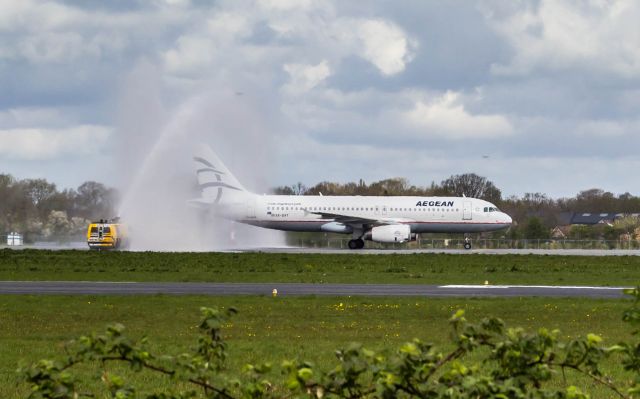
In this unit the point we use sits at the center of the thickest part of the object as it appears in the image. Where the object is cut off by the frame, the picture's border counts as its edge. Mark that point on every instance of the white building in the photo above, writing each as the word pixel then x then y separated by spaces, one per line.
pixel 14 239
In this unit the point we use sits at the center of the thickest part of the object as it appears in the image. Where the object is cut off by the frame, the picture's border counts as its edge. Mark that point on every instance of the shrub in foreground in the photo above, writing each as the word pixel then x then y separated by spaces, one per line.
pixel 509 363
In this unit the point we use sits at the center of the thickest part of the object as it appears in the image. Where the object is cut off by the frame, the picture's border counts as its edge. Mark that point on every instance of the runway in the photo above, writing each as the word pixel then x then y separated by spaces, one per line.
pixel 370 251
pixel 296 289
pixel 405 251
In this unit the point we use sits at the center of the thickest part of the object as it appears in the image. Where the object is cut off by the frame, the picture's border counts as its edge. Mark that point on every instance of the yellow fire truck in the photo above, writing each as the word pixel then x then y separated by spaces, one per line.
pixel 107 234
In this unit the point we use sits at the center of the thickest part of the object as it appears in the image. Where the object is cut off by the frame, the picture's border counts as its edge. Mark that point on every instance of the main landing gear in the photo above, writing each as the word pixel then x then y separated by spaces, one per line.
pixel 467 242
pixel 356 244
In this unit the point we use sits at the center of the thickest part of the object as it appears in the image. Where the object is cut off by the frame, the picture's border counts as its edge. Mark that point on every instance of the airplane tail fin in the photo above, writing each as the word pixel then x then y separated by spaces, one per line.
pixel 216 182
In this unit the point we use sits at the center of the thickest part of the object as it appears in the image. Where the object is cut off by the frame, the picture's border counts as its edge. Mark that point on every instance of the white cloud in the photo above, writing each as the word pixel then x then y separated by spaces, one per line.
pixel 285 5
pixel 26 117
pixel 305 77
pixel 600 36
pixel 446 117
pixel 385 45
pixel 192 53
pixel 47 144
pixel 606 128
pixel 299 32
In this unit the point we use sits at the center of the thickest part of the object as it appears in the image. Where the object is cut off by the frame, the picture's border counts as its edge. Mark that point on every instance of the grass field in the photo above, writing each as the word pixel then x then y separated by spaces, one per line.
pixel 311 328
pixel 318 268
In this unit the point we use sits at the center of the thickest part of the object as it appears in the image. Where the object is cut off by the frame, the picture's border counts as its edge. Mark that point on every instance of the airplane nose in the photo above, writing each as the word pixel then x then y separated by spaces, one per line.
pixel 507 219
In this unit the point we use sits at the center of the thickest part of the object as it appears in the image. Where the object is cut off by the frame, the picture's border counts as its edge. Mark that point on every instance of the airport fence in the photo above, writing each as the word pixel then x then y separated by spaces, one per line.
pixel 482 243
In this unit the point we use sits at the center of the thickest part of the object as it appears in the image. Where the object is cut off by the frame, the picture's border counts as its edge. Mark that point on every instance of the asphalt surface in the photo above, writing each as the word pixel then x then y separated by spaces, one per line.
pixel 371 251
pixel 286 289
pixel 365 251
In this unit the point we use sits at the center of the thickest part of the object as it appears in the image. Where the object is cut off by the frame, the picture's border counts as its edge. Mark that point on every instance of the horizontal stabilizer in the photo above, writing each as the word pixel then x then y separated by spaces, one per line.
pixel 201 203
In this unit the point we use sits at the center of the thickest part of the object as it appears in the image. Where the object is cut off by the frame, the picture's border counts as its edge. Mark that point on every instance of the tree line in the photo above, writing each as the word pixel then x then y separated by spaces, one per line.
pixel 36 208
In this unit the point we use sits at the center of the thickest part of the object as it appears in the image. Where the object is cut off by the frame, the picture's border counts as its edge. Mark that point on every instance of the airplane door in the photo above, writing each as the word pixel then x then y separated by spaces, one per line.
pixel 384 210
pixel 377 210
pixel 251 209
pixel 466 210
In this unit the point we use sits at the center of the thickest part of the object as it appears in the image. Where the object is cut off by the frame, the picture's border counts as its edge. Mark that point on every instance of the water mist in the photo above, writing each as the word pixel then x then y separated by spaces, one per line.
pixel 156 146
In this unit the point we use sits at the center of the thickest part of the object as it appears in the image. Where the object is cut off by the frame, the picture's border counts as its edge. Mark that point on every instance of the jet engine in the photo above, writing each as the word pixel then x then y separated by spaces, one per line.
pixel 392 233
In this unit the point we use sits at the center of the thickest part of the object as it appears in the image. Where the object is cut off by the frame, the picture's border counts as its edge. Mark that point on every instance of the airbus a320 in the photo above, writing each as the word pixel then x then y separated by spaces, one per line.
pixel 396 219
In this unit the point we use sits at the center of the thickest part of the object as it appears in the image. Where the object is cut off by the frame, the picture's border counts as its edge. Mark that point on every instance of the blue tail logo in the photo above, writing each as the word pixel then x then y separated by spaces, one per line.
pixel 209 168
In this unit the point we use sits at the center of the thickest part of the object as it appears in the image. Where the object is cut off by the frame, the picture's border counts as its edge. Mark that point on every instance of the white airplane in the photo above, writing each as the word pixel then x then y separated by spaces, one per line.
pixel 380 219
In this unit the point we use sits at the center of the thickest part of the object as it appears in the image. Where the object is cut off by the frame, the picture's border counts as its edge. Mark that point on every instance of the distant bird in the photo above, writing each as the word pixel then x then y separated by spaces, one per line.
pixel 485 157
pixel 239 93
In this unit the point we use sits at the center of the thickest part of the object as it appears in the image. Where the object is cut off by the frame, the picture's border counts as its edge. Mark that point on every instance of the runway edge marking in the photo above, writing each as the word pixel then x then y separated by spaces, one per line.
pixel 559 287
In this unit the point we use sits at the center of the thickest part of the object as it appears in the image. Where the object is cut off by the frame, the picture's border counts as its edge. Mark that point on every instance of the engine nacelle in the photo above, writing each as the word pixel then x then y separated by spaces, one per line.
pixel 392 233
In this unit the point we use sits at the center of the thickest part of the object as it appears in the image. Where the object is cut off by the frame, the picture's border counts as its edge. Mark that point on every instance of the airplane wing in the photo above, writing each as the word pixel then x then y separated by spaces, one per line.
pixel 356 220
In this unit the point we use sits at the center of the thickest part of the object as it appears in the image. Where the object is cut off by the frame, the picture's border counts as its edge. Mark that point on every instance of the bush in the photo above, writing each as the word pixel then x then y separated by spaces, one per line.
pixel 507 363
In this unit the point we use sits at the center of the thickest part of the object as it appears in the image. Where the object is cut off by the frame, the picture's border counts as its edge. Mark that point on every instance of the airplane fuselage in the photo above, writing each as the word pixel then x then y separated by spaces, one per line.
pixel 422 214
pixel 379 219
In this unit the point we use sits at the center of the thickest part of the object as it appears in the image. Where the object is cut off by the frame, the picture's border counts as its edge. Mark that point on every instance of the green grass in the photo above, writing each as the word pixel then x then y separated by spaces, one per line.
pixel 35 327
pixel 319 268
pixel 311 328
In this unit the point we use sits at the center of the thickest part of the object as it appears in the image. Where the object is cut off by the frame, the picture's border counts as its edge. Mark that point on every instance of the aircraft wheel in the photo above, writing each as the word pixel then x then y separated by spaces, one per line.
pixel 356 244
pixel 467 245
pixel 360 243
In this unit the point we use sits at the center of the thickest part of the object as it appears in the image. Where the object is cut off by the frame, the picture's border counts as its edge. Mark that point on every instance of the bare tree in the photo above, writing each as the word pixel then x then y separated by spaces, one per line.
pixel 471 185
pixel 94 200
pixel 38 190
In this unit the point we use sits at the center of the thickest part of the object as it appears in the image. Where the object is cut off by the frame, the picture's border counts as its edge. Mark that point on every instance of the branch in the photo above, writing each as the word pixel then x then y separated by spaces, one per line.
pixel 165 371
pixel 451 356
pixel 595 378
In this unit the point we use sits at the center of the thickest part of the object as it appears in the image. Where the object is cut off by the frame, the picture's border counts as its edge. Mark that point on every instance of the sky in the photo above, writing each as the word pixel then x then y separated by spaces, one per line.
pixel 537 96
